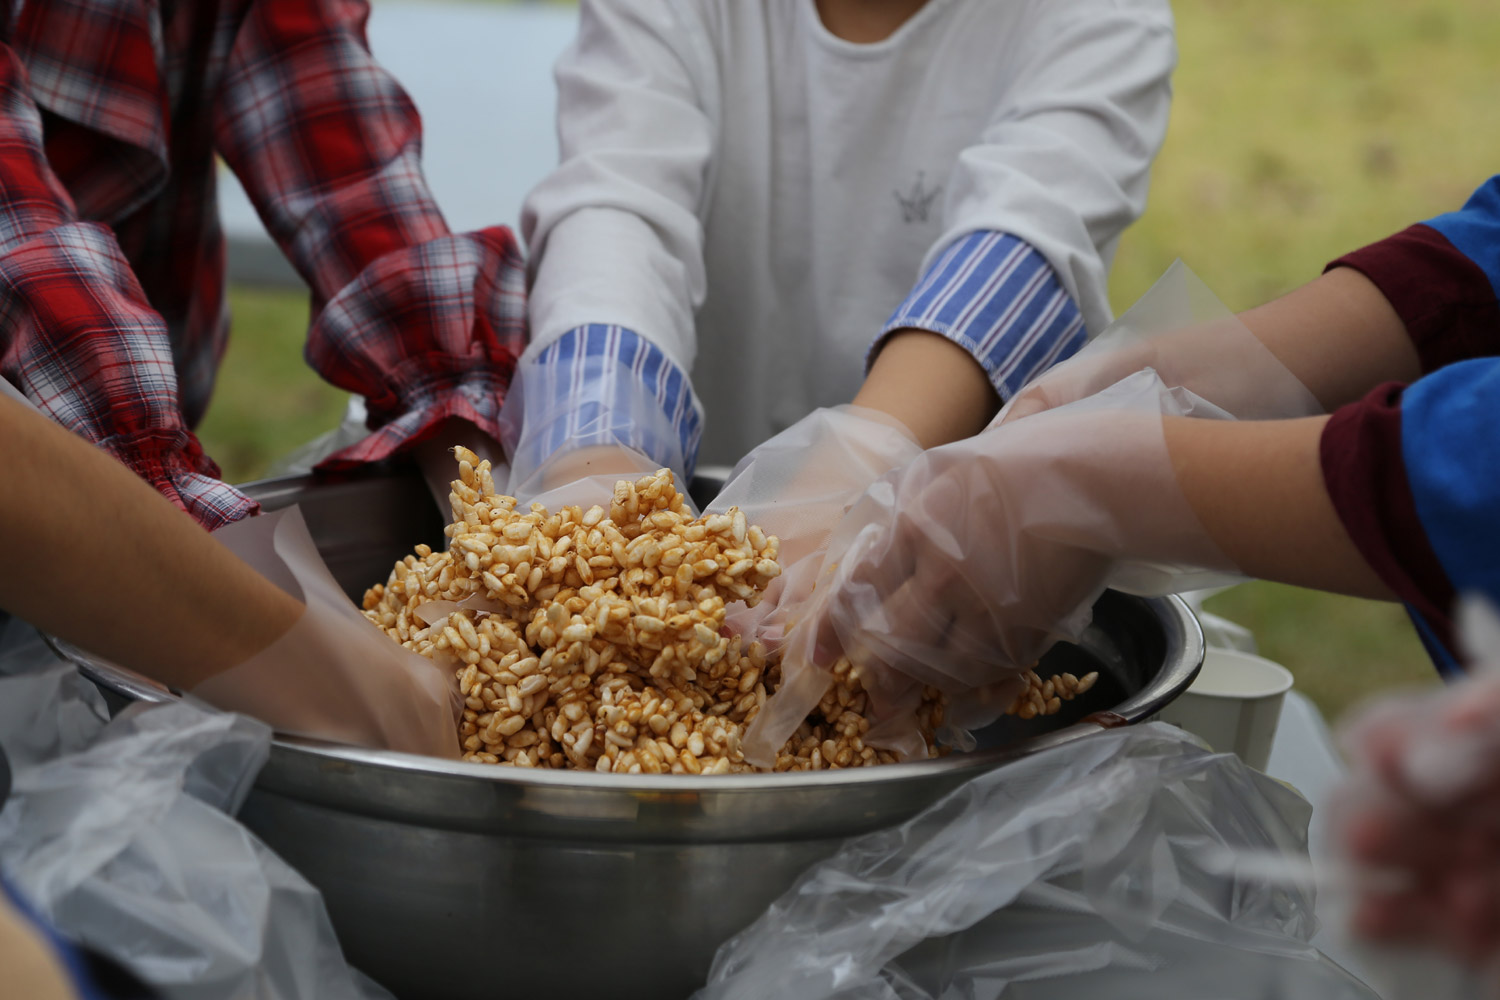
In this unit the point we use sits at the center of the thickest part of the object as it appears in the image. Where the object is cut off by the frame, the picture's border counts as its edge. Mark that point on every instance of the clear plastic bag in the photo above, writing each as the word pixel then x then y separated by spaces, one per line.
pixel 121 834
pixel 1087 870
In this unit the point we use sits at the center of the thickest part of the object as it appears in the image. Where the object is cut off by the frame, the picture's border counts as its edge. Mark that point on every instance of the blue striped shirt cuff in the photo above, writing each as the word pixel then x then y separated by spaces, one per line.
pixel 998 298
pixel 609 385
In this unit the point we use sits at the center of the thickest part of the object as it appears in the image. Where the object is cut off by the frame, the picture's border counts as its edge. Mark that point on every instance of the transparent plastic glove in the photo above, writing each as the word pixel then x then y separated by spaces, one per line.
pixel 435 457
pixel 1180 329
pixel 961 568
pixel 1422 805
pixel 797 486
pixel 333 675
pixel 563 424
pixel 583 477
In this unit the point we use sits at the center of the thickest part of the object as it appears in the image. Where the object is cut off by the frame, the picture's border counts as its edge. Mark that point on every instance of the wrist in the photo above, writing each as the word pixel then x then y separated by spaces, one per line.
pixel 931 385
pixel 455 432
pixel 438 465
pixel 605 386
pixel 594 460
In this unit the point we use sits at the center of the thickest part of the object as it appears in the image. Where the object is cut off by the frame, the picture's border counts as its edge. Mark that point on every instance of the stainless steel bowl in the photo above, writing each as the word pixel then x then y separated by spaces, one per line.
pixel 453 880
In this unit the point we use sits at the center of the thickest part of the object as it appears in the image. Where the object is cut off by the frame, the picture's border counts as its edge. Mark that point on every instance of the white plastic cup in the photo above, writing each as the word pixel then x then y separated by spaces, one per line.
pixel 1234 704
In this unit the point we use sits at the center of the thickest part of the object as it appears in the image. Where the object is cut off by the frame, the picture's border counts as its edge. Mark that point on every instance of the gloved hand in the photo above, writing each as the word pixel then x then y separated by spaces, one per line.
pixel 962 567
pixel 1422 809
pixel 797 486
pixel 1183 332
pixel 572 425
pixel 583 477
pixel 333 675
pixel 439 468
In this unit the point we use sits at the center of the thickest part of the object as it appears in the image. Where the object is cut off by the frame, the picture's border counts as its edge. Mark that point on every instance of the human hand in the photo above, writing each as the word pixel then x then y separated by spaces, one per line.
pixel 333 675
pixel 583 477
pixel 1422 808
pixel 962 567
pixel 435 457
pixel 797 486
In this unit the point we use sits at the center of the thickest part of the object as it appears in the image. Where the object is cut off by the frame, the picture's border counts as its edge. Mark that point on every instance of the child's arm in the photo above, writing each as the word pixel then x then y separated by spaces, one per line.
pixel 1315 349
pixel 1396 494
pixel 1338 335
pixel 930 384
pixel 1389 312
pixel 1258 488
pixel 1412 472
pixel 969 561
pixel 616 242
pixel 143 585
pixel 1032 213
pixel 1392 311
pixel 116 570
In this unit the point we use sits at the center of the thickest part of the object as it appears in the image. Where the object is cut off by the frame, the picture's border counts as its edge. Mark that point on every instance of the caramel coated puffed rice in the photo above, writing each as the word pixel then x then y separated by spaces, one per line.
pixel 593 639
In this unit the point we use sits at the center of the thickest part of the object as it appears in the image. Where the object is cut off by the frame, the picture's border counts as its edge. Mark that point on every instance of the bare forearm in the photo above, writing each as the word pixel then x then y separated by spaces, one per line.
pixel 1338 335
pixel 116 568
pixel 932 385
pixel 1258 489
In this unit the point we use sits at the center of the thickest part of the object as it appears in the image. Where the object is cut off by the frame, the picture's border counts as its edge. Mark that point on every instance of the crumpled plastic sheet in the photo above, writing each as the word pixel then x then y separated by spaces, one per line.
pixel 1084 871
pixel 120 832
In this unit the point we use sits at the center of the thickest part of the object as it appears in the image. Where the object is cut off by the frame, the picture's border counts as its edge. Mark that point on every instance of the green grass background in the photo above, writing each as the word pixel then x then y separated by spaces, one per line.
pixel 1301 129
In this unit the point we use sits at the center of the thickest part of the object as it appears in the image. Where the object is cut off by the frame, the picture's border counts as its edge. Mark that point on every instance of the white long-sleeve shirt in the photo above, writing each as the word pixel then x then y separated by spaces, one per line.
pixel 759 200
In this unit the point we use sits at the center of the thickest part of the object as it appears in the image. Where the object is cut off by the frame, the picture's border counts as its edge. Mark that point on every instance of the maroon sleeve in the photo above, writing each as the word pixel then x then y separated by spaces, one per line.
pixel 1443 297
pixel 1365 474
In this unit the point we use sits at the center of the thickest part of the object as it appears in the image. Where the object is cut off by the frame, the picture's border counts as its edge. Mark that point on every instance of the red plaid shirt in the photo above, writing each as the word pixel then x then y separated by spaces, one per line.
pixel 112 308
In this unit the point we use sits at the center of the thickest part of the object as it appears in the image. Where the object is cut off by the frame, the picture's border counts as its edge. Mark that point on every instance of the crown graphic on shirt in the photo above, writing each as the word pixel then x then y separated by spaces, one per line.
pixel 916 204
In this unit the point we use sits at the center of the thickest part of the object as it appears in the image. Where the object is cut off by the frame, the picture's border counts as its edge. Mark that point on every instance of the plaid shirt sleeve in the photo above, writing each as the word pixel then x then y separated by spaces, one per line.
pixel 424 324
pixel 77 335
pixel 996 297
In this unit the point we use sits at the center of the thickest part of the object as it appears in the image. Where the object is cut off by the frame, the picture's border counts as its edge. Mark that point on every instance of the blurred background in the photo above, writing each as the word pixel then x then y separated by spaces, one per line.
pixel 1301 129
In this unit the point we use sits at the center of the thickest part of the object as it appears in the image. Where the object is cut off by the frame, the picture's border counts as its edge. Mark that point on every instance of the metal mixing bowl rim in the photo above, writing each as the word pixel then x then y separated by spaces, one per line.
pixel 1174 679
